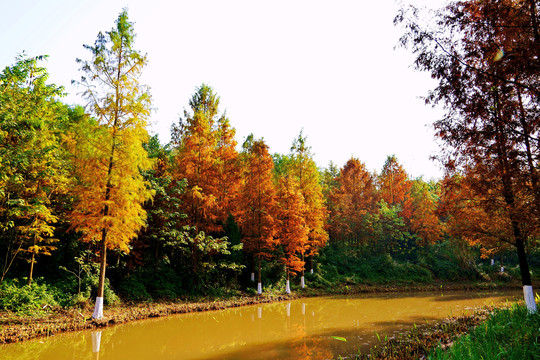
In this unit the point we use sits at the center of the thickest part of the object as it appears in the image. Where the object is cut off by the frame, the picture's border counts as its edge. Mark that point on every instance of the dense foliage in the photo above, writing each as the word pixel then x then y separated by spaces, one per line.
pixel 198 216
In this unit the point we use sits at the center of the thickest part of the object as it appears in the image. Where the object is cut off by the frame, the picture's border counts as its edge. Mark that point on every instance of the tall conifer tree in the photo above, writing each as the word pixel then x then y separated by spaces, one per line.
pixel 109 156
pixel 257 200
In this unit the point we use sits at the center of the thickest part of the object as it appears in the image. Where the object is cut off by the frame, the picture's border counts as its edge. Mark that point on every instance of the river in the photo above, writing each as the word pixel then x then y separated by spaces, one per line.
pixel 310 328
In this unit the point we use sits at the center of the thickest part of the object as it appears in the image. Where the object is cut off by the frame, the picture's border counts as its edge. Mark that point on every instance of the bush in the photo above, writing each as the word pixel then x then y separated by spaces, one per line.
pixel 132 289
pixel 146 284
pixel 28 299
pixel 90 287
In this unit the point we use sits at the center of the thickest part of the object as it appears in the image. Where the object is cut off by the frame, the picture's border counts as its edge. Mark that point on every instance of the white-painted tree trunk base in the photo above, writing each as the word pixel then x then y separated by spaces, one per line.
pixel 98 309
pixel 259 288
pixel 96 341
pixel 252 277
pixel 302 282
pixel 311 271
pixel 529 298
pixel 492 262
pixel 502 269
pixel 287 287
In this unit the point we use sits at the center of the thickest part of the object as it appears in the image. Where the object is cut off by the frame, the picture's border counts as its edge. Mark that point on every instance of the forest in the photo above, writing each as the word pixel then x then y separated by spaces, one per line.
pixel 92 206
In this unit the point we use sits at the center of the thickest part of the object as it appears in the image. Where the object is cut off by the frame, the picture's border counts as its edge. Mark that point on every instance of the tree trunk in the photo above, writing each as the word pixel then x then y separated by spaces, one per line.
pixel 253 268
pixel 287 284
pixel 526 277
pixel 510 200
pixel 259 282
pixel 530 161
pixel 523 264
pixel 79 280
pixel 195 263
pixel 31 269
pixel 98 308
pixel 534 21
pixel 302 279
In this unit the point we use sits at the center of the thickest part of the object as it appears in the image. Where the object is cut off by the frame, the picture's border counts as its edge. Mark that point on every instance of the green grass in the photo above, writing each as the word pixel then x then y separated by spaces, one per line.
pixel 508 334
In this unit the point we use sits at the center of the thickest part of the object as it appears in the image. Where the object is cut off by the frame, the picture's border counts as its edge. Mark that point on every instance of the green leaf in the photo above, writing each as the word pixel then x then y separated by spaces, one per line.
pixel 339 338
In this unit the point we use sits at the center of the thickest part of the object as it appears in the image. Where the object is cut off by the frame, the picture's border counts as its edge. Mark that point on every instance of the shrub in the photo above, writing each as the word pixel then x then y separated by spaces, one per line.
pixel 26 300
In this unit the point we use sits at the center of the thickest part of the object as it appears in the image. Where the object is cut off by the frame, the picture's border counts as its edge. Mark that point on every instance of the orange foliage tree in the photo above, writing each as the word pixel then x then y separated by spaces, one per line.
pixel 228 169
pixel 480 217
pixel 108 156
pixel 257 201
pixel 195 160
pixel 293 232
pixel 304 169
pixel 205 156
pixel 424 221
pixel 486 64
pixel 395 186
pixel 353 198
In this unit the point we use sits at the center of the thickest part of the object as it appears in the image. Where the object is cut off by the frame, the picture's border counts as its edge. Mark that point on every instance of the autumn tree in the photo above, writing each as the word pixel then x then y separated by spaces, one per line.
pixel 109 156
pixel 293 232
pixel 228 169
pixel 353 198
pixel 304 169
pixel 257 201
pixel 486 63
pixel 481 219
pixel 424 221
pixel 33 167
pixel 206 157
pixel 328 176
pixel 394 184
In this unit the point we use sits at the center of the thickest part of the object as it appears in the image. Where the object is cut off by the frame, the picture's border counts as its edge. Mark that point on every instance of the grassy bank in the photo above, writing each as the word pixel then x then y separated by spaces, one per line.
pixel 492 333
pixel 508 334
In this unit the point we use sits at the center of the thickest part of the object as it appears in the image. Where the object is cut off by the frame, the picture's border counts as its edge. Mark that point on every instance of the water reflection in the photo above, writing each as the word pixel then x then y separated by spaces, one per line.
pixel 96 343
pixel 306 328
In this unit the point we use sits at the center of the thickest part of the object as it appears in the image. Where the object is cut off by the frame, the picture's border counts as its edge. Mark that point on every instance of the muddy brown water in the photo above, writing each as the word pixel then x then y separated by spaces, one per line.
pixel 310 328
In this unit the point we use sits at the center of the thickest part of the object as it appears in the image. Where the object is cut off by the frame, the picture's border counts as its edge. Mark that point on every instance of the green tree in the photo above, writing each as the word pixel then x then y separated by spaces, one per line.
pixel 108 157
pixel 32 161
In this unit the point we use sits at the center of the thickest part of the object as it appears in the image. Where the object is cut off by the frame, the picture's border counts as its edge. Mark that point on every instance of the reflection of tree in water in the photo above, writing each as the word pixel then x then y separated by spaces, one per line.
pixel 50 348
pixel 301 345
pixel 311 348
pixel 77 345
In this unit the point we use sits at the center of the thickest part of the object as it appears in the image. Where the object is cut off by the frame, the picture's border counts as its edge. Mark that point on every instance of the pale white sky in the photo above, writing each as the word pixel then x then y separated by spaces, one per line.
pixel 328 67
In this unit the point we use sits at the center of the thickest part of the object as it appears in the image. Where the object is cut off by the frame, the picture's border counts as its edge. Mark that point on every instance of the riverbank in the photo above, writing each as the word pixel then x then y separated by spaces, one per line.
pixel 504 333
pixel 14 328
pixel 421 339
pixel 54 320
